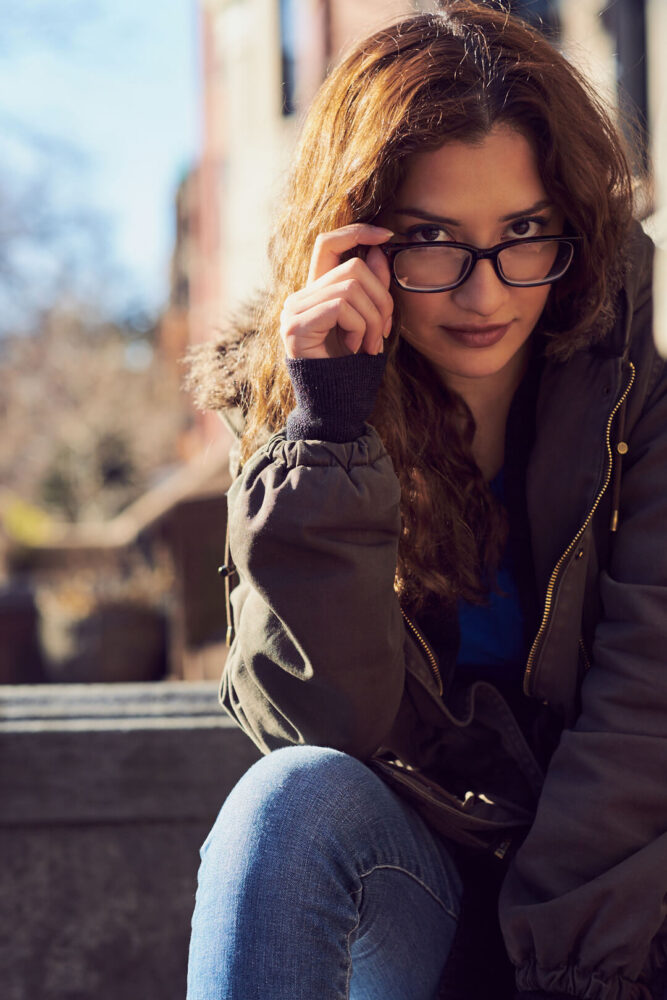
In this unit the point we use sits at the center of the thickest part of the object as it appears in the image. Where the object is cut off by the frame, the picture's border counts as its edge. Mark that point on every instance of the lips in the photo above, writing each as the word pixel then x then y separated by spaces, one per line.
pixel 477 336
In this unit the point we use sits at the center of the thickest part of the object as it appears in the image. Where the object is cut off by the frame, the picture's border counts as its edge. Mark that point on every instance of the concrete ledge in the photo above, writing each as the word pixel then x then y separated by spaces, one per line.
pixel 108 792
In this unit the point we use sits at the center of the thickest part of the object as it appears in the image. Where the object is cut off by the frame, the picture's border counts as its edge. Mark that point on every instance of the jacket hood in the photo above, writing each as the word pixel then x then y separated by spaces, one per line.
pixel 217 372
pixel 637 289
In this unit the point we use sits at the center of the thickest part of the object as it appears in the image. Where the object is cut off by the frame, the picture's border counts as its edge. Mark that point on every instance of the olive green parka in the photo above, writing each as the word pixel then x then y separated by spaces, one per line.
pixel 323 654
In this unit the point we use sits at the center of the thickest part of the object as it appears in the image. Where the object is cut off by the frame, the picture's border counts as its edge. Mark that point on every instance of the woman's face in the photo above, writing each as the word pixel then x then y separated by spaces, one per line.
pixel 482 194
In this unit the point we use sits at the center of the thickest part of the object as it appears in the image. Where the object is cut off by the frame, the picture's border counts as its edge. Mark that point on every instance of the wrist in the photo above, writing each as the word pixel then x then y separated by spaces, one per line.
pixel 334 396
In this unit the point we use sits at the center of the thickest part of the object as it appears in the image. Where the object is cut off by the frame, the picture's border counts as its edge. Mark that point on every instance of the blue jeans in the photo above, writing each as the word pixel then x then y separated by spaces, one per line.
pixel 317 881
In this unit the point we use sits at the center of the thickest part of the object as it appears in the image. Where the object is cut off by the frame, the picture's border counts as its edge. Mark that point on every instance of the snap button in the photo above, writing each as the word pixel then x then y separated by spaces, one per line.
pixel 622 448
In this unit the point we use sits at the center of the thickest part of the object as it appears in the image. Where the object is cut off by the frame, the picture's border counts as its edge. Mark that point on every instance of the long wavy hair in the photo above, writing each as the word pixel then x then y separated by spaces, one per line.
pixel 426 80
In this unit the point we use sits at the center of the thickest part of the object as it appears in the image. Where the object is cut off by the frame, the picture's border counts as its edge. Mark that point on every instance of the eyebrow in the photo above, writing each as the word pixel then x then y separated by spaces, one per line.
pixel 420 213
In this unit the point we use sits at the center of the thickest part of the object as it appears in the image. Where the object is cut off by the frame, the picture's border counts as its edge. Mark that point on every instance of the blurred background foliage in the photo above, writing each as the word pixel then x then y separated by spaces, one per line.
pixel 91 415
pixel 92 412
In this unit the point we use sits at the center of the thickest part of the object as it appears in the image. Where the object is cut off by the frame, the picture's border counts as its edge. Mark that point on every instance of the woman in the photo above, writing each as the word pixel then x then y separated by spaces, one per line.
pixel 451 610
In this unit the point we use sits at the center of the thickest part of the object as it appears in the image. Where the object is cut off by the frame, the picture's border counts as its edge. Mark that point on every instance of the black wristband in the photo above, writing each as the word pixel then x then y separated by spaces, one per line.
pixel 334 396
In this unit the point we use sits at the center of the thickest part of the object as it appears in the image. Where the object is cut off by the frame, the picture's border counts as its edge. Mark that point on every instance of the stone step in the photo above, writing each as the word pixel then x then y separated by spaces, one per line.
pixel 107 793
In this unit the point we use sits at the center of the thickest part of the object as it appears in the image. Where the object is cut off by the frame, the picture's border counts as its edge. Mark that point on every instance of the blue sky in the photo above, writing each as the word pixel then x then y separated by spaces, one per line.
pixel 112 85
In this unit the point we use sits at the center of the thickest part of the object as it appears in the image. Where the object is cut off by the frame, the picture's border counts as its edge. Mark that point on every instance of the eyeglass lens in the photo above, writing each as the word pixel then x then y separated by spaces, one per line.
pixel 427 267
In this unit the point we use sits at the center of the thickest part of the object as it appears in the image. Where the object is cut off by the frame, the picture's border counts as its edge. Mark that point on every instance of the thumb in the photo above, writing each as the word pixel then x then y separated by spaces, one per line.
pixel 379 265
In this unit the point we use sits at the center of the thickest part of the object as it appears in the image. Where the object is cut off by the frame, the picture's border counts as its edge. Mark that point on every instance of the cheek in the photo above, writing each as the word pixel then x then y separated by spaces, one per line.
pixel 419 310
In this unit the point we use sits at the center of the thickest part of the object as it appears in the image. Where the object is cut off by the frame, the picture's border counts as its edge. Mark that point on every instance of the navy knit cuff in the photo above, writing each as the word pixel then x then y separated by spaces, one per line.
pixel 334 396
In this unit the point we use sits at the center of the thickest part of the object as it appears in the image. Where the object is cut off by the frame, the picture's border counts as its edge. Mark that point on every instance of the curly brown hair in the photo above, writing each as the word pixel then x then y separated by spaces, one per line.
pixel 426 80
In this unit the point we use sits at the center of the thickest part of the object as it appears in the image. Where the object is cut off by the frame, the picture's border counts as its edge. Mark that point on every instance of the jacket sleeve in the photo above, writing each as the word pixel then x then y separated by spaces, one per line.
pixel 584 903
pixel 318 652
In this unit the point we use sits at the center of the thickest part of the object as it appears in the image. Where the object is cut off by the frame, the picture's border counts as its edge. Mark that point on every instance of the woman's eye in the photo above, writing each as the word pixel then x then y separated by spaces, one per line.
pixel 427 234
pixel 527 227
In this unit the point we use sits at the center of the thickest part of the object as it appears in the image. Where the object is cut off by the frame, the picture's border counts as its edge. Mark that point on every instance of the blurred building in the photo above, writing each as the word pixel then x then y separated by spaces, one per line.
pixel 262 61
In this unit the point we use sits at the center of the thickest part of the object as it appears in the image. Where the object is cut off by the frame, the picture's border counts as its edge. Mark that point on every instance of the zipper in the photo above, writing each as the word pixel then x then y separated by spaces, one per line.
pixel 553 580
pixel 584 653
pixel 430 655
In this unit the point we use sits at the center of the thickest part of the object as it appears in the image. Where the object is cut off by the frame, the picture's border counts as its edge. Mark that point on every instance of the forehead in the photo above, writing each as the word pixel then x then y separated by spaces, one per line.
pixel 496 175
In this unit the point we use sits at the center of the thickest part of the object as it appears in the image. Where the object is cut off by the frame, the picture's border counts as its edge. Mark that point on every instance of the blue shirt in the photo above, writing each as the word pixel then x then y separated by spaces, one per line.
pixel 493 635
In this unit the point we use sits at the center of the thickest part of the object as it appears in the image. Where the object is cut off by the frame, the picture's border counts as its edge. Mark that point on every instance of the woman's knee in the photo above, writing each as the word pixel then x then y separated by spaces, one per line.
pixel 306 772
pixel 311 819
pixel 293 794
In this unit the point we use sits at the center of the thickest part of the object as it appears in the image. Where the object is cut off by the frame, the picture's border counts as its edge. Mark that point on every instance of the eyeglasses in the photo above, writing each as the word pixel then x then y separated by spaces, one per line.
pixel 442 266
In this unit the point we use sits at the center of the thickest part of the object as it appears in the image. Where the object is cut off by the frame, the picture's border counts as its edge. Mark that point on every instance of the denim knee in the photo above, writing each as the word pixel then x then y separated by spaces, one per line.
pixel 291 882
pixel 290 794
pixel 309 808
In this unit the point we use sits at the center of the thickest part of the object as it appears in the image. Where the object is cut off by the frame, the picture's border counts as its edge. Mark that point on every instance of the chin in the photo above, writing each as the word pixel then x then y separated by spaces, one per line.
pixel 472 363
pixel 467 371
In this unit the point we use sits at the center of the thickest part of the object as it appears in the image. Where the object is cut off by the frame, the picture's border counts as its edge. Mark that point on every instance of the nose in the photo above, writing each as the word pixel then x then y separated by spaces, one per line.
pixel 483 292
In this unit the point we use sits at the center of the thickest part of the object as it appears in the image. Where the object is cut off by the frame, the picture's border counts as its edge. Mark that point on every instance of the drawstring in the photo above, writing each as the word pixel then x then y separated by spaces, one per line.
pixel 621 450
pixel 621 443
pixel 227 571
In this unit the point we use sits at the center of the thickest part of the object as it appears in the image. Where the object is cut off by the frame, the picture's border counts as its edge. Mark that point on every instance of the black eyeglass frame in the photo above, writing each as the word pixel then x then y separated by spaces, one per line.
pixel 391 251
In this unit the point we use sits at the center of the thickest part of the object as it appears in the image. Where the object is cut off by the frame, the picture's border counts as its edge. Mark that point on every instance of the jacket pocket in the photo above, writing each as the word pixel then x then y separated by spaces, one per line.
pixel 475 820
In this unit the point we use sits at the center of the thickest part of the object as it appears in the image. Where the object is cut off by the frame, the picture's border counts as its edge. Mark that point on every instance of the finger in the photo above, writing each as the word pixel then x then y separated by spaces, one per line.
pixel 378 264
pixel 308 334
pixel 329 247
pixel 352 291
pixel 354 271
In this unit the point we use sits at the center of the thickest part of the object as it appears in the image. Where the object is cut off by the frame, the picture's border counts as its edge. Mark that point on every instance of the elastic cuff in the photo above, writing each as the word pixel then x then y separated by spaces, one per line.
pixel 334 396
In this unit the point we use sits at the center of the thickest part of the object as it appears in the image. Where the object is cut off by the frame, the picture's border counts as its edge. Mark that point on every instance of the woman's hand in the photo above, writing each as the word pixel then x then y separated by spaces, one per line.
pixel 344 308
